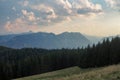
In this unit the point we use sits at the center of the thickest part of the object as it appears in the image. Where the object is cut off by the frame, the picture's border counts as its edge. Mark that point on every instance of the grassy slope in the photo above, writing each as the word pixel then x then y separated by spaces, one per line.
pixel 75 73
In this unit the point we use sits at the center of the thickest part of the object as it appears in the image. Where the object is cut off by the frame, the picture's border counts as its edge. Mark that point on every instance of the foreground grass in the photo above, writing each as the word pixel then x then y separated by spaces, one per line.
pixel 54 74
pixel 75 73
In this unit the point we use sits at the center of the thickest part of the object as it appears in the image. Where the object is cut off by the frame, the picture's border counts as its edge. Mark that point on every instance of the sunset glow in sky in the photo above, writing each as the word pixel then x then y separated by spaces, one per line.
pixel 92 17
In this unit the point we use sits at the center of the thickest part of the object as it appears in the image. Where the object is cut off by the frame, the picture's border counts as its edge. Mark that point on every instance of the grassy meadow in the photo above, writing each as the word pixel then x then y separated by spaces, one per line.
pixel 76 73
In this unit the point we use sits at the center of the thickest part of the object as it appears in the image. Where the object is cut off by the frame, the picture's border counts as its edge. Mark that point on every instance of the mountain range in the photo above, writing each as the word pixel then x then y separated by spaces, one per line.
pixel 47 40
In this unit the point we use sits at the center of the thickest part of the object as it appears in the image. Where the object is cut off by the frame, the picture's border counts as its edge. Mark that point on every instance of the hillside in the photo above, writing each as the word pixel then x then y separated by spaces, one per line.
pixel 45 40
pixel 16 63
pixel 75 73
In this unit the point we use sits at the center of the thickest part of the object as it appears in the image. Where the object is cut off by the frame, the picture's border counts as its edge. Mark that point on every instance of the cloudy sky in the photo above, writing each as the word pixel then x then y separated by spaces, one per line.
pixel 92 17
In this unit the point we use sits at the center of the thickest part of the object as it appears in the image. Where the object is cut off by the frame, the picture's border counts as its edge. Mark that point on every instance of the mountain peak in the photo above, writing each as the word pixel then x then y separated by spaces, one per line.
pixel 47 40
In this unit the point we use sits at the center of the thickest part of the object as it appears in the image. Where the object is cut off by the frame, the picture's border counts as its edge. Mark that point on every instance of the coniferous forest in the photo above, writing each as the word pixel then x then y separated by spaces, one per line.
pixel 16 63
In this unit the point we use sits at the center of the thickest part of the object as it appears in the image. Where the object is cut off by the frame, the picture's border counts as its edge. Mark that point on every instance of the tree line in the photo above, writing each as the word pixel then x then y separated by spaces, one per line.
pixel 15 63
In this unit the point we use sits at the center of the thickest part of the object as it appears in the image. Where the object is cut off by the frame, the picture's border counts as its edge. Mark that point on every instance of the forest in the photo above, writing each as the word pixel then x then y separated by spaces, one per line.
pixel 15 63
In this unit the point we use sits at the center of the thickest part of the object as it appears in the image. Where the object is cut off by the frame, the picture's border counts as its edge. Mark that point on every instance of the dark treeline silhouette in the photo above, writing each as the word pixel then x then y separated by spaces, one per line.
pixel 16 63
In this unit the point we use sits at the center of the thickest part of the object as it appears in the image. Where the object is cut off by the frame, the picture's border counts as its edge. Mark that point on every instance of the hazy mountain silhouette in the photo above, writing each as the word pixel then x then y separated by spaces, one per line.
pixel 45 40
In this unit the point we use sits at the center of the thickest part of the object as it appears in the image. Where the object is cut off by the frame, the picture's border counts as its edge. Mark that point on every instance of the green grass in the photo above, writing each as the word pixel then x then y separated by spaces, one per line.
pixel 75 73
pixel 54 74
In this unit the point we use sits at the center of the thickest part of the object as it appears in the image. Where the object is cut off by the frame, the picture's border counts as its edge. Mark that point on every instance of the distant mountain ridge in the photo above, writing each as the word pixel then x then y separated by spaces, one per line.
pixel 94 39
pixel 45 40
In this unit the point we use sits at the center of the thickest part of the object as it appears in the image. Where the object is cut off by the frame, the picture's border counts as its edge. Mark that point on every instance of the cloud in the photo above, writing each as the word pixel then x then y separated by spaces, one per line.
pixel 28 15
pixel 47 12
pixel 64 5
pixel 57 10
pixel 86 7
pixel 67 7
pixel 18 26
pixel 24 3
pixel 41 15
pixel 13 8
pixel 113 3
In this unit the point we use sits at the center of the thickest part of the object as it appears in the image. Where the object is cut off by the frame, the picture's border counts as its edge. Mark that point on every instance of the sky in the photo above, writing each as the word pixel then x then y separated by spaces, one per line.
pixel 91 17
